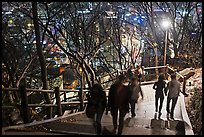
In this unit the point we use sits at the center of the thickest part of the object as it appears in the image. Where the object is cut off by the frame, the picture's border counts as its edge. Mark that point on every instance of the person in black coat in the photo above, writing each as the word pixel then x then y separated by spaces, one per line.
pixel 118 100
pixel 98 100
pixel 159 86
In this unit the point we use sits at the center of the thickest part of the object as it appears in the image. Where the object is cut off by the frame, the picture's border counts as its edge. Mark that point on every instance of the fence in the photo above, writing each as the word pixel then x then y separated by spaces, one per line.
pixel 166 71
pixel 150 74
pixel 106 81
pixel 25 106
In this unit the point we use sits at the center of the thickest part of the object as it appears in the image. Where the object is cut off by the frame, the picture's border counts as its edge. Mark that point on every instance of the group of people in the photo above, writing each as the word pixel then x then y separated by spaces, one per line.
pixel 138 72
pixel 173 89
pixel 122 98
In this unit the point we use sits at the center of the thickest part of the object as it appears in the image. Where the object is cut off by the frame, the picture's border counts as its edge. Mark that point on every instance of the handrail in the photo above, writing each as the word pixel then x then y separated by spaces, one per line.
pixel 43 90
pixel 180 75
pixel 82 101
pixel 25 105
pixel 154 67
pixel 184 80
pixel 167 68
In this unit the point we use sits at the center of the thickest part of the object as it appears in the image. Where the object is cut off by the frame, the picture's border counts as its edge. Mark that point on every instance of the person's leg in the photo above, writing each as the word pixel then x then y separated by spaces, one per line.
pixel 156 103
pixel 167 107
pixel 98 120
pixel 132 105
pixel 115 120
pixel 122 113
pixel 160 106
pixel 161 103
pixel 168 104
pixel 174 101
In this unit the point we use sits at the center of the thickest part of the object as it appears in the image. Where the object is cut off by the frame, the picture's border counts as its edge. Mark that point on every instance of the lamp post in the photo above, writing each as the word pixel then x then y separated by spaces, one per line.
pixel 165 46
pixel 165 25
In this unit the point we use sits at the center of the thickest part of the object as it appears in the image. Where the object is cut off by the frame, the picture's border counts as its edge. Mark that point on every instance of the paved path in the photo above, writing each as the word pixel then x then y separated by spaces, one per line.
pixel 143 124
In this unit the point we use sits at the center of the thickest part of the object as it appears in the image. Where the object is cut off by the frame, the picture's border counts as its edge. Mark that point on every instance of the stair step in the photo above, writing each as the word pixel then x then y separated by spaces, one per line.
pixel 176 125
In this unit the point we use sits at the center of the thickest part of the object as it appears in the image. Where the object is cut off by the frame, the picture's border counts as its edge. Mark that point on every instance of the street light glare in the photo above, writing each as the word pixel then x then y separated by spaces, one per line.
pixel 166 24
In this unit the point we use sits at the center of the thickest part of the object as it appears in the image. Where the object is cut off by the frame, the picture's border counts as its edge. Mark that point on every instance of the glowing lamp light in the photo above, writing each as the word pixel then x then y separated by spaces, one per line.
pixel 80 70
pixel 62 69
pixel 166 24
pixel 29 25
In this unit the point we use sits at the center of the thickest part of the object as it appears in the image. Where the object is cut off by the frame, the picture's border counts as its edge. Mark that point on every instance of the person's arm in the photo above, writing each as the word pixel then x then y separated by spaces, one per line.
pixel 141 92
pixel 129 92
pixel 110 97
pixel 154 86
pixel 179 88
pixel 166 89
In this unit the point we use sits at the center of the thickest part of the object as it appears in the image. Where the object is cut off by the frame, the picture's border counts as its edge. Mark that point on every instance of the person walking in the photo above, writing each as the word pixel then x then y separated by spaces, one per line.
pixel 173 89
pixel 99 101
pixel 130 73
pixel 118 101
pixel 159 86
pixel 139 73
pixel 135 91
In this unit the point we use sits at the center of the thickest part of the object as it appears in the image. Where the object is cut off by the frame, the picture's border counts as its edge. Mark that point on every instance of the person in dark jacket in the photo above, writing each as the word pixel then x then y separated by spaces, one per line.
pixel 139 73
pixel 135 92
pixel 118 101
pixel 159 86
pixel 130 73
pixel 98 99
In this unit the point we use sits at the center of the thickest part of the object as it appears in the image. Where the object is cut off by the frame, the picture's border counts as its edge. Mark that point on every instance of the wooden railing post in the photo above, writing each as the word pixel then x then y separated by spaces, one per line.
pixel 167 71
pixel 142 73
pixel 81 99
pixel 156 72
pixel 99 79
pixel 81 93
pixel 58 101
pixel 65 96
pixel 24 102
pixel 184 85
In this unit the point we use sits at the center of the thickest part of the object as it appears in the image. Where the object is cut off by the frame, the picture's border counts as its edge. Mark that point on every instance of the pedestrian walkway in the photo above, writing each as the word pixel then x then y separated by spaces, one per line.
pixel 143 124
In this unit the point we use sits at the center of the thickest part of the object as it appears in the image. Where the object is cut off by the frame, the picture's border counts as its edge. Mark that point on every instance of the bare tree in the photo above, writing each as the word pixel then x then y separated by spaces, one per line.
pixel 41 57
pixel 182 15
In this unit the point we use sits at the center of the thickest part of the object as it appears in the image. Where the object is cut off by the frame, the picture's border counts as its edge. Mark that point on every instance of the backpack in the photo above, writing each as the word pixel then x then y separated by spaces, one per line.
pixel 91 106
pixel 96 97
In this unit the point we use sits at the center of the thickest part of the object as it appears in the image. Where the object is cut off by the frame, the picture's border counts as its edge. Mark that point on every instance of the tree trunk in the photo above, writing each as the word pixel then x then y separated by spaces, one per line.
pixel 156 62
pixel 41 58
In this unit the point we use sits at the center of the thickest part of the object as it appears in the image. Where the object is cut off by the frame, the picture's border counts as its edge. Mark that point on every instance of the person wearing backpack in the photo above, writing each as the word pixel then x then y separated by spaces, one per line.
pixel 97 105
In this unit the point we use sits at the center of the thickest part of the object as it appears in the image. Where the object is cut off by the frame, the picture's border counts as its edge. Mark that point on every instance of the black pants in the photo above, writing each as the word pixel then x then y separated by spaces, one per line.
pixel 97 119
pixel 122 113
pixel 174 101
pixel 157 98
pixel 132 105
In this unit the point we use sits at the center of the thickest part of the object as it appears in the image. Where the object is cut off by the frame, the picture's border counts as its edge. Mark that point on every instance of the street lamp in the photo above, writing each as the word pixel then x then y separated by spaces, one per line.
pixel 165 25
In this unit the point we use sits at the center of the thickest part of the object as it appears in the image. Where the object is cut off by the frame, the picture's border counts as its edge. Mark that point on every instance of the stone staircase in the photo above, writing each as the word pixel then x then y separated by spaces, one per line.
pixel 144 123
